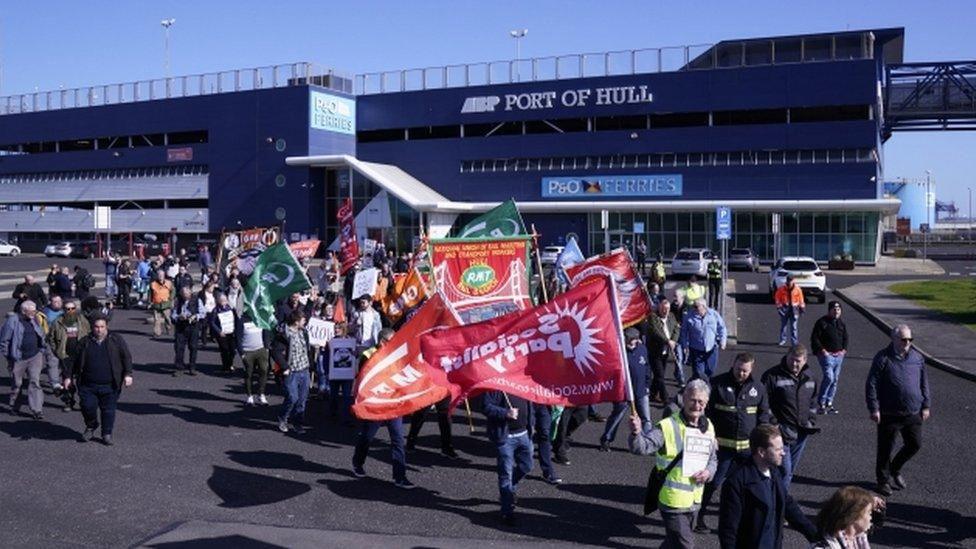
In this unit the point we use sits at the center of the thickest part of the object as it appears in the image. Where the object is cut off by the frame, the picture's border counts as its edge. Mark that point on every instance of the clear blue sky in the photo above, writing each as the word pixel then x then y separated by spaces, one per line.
pixel 72 43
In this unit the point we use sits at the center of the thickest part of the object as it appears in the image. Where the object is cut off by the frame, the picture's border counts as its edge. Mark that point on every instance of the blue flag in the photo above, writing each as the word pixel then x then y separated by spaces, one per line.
pixel 571 255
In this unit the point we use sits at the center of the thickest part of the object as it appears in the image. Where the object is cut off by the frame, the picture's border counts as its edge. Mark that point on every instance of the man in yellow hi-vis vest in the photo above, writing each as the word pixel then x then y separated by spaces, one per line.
pixel 681 494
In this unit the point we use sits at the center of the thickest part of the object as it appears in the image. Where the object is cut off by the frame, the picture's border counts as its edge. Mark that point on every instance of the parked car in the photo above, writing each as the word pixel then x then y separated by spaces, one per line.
pixel 7 248
pixel 744 259
pixel 806 274
pixel 691 261
pixel 87 249
pixel 549 254
pixel 58 249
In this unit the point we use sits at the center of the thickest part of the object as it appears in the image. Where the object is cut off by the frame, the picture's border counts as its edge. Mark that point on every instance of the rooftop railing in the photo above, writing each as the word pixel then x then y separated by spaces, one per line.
pixel 257 78
pixel 729 54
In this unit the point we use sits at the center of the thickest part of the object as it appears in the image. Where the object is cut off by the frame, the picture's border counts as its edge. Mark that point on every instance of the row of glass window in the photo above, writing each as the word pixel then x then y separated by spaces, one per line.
pixel 153 171
pixel 671 160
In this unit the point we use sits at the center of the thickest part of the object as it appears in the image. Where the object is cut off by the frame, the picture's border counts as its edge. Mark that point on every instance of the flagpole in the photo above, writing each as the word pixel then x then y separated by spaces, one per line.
pixel 623 350
pixel 538 260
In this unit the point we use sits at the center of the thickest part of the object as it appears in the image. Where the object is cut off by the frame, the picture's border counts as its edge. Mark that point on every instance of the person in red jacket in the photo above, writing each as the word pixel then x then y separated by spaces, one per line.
pixel 789 305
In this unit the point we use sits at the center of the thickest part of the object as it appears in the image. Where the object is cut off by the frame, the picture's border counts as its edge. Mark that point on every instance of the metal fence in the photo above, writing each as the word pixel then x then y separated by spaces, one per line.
pixel 273 76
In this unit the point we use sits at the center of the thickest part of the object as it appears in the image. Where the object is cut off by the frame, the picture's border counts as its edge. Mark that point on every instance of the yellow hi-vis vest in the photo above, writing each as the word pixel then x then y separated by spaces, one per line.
pixel 693 292
pixel 679 491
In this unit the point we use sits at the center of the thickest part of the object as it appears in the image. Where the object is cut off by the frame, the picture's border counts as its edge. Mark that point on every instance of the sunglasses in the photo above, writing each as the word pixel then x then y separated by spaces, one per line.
pixel 906 339
pixel 69 308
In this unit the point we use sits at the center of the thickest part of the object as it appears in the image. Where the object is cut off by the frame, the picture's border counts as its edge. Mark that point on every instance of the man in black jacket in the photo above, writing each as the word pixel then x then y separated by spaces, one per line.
pixel 738 404
pixel 897 394
pixel 182 280
pixel 103 366
pixel 662 340
pixel 756 499
pixel 829 342
pixel 188 314
pixel 29 290
pixel 83 281
pixel 793 402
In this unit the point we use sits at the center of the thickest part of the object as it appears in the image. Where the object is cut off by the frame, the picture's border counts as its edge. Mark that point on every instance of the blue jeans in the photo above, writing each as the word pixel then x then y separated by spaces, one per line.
pixel 679 366
pixel 543 435
pixel 703 363
pixel 321 382
pixel 95 399
pixel 622 409
pixel 789 322
pixel 514 462
pixel 296 393
pixel 831 374
pixel 791 459
pixel 368 429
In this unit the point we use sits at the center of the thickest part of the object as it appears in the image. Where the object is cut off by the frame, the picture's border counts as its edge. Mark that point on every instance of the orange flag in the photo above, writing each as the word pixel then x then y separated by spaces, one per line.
pixel 407 292
pixel 394 382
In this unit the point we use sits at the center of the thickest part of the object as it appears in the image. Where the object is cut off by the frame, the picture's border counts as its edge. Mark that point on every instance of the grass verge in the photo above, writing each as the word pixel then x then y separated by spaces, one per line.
pixel 956 299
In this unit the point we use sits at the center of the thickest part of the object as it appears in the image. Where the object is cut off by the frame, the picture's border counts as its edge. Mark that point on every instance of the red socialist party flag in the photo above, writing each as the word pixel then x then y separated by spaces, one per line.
pixel 348 243
pixel 393 382
pixel 632 299
pixel 566 352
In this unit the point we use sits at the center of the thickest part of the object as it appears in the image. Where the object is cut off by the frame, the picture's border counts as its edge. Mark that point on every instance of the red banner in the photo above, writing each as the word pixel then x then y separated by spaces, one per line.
pixel 304 249
pixel 394 382
pixel 632 299
pixel 566 352
pixel 348 244
pixel 482 278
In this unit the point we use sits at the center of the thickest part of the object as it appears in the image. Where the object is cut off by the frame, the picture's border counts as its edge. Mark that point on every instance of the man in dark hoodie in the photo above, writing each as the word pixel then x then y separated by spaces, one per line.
pixel 897 394
pixel 793 403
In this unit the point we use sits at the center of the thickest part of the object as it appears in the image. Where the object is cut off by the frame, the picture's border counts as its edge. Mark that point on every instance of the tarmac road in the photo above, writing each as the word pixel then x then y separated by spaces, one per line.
pixel 187 450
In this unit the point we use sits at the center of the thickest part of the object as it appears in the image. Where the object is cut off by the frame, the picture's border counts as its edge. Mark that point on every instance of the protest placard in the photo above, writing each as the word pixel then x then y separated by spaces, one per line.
pixel 698 448
pixel 365 283
pixel 343 361
pixel 226 320
pixel 320 331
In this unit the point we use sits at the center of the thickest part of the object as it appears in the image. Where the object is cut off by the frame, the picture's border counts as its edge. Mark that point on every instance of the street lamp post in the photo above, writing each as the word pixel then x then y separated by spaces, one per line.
pixel 929 203
pixel 518 35
pixel 970 189
pixel 167 23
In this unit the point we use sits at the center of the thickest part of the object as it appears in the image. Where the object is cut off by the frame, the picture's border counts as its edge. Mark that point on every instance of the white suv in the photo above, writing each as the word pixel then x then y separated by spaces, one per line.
pixel 7 248
pixel 806 275
pixel 691 261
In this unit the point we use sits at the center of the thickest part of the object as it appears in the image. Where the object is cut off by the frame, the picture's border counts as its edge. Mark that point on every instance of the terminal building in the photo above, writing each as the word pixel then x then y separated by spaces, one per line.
pixel 613 148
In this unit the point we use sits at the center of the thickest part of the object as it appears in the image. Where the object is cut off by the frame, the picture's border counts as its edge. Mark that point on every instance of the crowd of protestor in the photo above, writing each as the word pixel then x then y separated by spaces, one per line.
pixel 759 422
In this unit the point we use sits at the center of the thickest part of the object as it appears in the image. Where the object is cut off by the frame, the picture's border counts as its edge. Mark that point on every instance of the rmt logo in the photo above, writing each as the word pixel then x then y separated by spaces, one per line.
pixel 480 104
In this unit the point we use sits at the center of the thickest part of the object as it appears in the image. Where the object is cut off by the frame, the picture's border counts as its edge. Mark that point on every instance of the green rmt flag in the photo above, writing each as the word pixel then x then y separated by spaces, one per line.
pixel 276 275
pixel 501 221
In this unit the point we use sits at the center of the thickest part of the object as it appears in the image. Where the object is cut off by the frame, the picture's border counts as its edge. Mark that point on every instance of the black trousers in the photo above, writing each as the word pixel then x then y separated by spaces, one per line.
pixel 185 335
pixel 125 291
pixel 418 418
pixel 569 421
pixel 227 345
pixel 659 365
pixel 714 292
pixel 910 428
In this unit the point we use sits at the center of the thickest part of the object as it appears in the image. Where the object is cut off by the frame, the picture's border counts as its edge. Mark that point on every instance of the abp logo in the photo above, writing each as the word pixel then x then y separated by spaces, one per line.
pixel 480 104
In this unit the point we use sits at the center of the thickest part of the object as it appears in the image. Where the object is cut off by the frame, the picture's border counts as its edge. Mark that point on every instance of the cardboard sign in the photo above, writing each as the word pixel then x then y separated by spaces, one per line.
pixel 698 448
pixel 320 332
pixel 343 359
pixel 365 283
pixel 226 319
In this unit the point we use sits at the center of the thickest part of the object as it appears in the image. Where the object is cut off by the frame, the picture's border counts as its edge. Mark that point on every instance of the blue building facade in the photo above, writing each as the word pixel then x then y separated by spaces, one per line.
pixel 785 130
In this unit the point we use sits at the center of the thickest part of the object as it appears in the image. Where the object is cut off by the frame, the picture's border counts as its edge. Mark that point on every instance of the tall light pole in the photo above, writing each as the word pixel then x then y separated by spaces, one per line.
pixel 518 35
pixel 970 212
pixel 167 23
pixel 929 204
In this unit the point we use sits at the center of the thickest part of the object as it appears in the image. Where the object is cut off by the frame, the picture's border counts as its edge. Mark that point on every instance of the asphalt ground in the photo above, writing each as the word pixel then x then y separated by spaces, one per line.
pixel 188 451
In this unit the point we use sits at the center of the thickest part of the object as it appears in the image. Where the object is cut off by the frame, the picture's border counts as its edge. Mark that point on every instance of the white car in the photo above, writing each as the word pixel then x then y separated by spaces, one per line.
pixel 549 254
pixel 691 261
pixel 806 275
pixel 7 248
pixel 59 249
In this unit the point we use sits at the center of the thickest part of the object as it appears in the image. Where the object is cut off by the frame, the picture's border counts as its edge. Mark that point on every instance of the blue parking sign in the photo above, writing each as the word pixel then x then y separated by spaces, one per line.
pixel 723 223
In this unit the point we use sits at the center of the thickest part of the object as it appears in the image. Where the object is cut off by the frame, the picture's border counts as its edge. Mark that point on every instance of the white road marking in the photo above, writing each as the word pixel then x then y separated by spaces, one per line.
pixel 954 274
pixel 752 287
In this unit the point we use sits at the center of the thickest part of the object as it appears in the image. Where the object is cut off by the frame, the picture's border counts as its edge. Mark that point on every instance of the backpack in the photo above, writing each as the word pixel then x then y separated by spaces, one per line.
pixel 88 281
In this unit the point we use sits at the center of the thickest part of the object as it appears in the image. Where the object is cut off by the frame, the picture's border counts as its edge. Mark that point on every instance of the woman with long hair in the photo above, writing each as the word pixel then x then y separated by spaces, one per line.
pixel 844 520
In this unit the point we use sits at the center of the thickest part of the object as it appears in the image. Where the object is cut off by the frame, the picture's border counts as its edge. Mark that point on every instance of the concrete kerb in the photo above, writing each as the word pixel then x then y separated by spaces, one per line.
pixel 880 323
pixel 730 312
